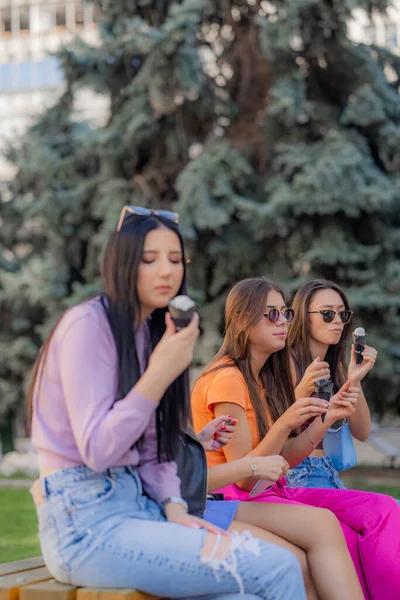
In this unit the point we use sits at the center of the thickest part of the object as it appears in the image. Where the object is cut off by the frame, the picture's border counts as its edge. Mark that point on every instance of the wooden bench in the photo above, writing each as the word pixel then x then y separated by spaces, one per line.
pixel 30 580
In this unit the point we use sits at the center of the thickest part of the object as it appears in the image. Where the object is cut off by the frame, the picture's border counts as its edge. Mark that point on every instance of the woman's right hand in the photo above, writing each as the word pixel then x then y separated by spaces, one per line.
pixel 301 411
pixel 174 352
pixel 315 372
pixel 270 468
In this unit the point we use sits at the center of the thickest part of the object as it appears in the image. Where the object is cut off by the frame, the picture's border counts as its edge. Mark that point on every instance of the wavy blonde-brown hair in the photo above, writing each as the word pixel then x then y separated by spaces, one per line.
pixel 245 307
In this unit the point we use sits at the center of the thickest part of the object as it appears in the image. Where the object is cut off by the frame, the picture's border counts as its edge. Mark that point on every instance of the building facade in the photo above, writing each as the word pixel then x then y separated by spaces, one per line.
pixel 380 30
pixel 30 78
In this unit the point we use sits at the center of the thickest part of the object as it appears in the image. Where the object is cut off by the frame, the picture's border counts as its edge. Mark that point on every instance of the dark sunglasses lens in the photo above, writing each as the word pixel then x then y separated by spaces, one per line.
pixel 345 315
pixel 289 315
pixel 328 315
pixel 273 315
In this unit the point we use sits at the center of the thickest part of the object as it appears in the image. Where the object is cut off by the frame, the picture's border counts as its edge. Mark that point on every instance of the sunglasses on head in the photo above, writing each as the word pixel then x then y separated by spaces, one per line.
pixel 146 212
pixel 274 313
pixel 329 315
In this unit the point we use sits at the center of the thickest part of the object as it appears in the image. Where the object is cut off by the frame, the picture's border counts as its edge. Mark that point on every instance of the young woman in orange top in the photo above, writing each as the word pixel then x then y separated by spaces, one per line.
pixel 250 379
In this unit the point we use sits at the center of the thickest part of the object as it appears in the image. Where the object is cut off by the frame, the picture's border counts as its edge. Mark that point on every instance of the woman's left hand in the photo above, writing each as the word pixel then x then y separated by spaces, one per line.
pixel 343 404
pixel 356 373
pixel 175 513
pixel 217 433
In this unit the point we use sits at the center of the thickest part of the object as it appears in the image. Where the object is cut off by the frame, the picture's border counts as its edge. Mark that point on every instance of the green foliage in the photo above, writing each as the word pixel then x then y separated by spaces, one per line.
pixel 274 136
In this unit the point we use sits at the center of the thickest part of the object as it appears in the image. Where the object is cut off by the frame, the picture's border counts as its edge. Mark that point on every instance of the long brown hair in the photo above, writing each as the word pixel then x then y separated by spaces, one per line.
pixel 299 332
pixel 245 307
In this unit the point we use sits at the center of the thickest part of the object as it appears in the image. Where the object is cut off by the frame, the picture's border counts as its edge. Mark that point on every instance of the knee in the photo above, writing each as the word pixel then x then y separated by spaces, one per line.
pixel 327 523
pixel 324 517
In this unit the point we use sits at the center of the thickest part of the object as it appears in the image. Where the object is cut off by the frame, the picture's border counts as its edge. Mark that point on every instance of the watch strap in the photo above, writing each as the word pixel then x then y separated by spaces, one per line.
pixel 175 500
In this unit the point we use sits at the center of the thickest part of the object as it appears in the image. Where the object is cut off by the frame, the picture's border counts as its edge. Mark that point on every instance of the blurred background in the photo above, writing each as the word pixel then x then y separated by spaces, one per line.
pixel 272 127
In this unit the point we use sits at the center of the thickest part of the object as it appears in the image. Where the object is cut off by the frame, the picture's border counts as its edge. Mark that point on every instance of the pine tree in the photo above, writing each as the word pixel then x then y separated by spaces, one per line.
pixel 273 135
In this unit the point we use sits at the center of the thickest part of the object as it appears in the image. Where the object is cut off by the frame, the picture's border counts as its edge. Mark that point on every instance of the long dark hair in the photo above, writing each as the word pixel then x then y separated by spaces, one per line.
pixel 122 257
pixel 299 332
pixel 245 307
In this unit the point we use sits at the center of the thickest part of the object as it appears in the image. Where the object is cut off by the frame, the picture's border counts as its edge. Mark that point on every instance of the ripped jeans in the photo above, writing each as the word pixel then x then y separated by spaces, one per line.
pixel 100 530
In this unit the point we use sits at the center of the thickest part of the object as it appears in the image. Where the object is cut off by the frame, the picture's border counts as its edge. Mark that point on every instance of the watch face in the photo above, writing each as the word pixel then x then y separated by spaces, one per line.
pixel 321 382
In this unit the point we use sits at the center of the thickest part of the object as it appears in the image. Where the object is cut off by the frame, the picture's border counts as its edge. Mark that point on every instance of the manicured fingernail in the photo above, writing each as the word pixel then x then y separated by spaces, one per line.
pixel 223 428
pixel 234 422
pixel 216 436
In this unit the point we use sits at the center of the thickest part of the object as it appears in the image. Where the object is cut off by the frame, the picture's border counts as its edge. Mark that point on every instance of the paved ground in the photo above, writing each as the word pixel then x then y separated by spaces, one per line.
pixel 382 449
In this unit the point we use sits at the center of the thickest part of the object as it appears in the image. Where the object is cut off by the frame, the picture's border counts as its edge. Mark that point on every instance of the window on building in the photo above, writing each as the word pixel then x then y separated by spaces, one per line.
pixel 5 77
pixel 24 19
pixel 30 75
pixel 79 16
pixel 61 20
pixel 391 35
pixel 42 18
pixel 97 12
pixel 5 22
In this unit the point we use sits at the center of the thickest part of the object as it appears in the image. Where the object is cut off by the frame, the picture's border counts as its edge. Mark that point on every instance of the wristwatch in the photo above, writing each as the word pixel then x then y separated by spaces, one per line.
pixel 175 500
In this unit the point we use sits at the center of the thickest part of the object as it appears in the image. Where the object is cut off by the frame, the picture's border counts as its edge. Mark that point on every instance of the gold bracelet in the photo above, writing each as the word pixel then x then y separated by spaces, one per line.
pixel 309 437
pixel 253 466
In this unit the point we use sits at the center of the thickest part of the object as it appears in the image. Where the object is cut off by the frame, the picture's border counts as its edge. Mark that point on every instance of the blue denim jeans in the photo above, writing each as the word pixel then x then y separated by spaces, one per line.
pixel 314 472
pixel 100 530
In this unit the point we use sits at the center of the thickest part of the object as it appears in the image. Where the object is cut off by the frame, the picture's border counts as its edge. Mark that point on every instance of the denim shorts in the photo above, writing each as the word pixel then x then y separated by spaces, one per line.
pixel 221 512
pixel 100 530
pixel 314 472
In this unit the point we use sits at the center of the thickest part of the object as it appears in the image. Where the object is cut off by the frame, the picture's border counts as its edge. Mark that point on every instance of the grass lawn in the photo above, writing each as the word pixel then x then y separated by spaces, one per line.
pixel 18 525
pixel 390 490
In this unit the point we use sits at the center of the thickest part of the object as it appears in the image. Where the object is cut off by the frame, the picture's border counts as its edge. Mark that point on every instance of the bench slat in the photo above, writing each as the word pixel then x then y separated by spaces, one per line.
pixel 111 594
pixel 11 584
pixel 21 565
pixel 48 590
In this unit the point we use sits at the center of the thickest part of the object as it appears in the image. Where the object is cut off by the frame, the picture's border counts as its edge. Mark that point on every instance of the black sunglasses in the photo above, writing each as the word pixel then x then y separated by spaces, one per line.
pixel 329 315
pixel 146 212
pixel 274 313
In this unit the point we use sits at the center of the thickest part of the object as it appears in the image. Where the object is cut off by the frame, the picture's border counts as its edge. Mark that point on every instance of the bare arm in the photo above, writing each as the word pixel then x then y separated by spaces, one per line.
pixel 360 422
pixel 225 474
pixel 271 468
pixel 276 440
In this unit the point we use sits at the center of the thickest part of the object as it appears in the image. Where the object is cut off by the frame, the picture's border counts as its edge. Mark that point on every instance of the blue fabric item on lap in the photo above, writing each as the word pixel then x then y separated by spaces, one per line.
pixel 221 512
